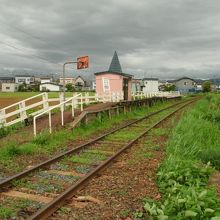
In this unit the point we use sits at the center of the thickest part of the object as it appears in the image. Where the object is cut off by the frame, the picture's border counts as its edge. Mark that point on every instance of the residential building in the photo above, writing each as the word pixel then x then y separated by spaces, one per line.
pixel 93 85
pixel 114 80
pixel 51 87
pixel 150 85
pixel 24 79
pixel 6 80
pixel 9 87
pixel 137 85
pixel 43 79
pixel 185 85
pixel 79 82
pixel 68 80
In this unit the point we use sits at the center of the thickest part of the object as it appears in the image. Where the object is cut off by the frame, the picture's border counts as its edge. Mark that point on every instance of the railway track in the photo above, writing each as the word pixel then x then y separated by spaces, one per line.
pixel 51 183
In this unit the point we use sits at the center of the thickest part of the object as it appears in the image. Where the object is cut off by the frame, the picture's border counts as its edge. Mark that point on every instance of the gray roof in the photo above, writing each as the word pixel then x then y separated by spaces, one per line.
pixel 115 65
pixel 6 78
pixel 153 79
pixel 117 73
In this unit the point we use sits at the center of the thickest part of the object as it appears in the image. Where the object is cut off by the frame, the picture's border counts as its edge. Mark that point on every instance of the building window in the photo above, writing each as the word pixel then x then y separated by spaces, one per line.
pixel 106 85
pixel 185 83
pixel 7 88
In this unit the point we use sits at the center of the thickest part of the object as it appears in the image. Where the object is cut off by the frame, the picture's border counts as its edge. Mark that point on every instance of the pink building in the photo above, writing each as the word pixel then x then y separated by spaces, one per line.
pixel 114 81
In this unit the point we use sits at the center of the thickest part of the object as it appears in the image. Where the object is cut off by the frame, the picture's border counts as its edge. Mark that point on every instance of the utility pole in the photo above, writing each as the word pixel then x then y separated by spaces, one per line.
pixel 64 83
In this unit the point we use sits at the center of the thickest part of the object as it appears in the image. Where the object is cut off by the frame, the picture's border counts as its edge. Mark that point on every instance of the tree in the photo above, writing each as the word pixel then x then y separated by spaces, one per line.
pixel 168 88
pixel 69 87
pixel 206 86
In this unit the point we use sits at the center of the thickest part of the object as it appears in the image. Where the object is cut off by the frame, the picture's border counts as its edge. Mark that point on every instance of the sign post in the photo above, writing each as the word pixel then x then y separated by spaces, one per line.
pixel 82 63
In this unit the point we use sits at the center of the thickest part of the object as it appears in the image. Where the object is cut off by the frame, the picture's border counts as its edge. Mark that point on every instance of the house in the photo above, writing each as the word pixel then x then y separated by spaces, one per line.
pixel 185 85
pixel 114 80
pixel 93 87
pixel 50 87
pixel 68 80
pixel 9 87
pixel 24 79
pixel 6 80
pixel 137 85
pixel 150 85
pixel 79 82
pixel 43 79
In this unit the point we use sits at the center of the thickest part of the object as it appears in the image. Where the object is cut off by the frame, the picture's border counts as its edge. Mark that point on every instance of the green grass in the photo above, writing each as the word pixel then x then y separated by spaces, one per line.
pixel 183 177
pixel 88 158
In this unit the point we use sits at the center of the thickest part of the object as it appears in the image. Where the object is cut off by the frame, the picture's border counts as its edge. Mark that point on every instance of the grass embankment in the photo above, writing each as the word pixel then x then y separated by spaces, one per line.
pixel 14 157
pixel 193 153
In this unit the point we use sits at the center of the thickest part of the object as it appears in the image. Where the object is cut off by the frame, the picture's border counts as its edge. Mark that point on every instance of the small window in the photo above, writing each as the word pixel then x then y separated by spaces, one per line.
pixel 7 88
pixel 185 83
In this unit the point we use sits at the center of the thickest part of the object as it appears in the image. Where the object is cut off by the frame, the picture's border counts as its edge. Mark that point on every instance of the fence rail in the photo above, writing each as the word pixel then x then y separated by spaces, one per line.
pixel 40 103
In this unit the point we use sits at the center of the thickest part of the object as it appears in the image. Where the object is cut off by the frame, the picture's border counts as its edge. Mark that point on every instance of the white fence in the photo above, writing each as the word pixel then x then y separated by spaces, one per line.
pixel 73 101
pixel 36 105
pixel 21 110
pixel 142 95
pixel 41 104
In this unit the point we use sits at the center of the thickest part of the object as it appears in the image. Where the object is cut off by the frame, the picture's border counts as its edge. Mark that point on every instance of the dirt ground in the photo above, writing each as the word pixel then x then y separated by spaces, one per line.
pixel 4 102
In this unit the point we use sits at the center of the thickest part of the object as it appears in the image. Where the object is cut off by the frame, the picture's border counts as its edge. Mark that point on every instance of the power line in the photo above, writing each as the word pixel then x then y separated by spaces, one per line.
pixel 36 56
pixel 31 35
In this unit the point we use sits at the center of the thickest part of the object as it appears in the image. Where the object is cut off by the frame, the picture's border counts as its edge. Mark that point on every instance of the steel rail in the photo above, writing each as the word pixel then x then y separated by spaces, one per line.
pixel 8 180
pixel 51 207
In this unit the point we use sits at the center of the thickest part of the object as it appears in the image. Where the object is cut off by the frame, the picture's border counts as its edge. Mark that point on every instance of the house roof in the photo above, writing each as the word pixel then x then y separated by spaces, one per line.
pixel 24 76
pixel 116 73
pixel 115 68
pixel 51 84
pixel 115 65
pixel 152 79
pixel 185 77
pixel 6 78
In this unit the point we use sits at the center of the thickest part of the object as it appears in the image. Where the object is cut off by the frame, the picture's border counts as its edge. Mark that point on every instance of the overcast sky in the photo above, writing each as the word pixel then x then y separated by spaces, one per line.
pixel 158 38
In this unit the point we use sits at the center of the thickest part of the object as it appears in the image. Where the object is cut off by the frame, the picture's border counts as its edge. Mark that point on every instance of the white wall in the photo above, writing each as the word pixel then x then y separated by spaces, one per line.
pixel 9 87
pixel 150 86
pixel 24 79
pixel 50 87
pixel 45 80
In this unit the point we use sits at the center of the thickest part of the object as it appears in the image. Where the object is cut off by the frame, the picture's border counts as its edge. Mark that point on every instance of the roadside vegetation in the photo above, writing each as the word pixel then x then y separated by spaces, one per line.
pixel 193 154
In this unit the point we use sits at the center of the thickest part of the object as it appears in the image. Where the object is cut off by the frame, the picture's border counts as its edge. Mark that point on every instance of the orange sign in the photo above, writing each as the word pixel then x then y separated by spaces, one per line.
pixel 82 62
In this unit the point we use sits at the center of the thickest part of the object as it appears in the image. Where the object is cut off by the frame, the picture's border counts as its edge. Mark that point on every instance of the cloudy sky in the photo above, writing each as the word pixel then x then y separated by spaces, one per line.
pixel 158 38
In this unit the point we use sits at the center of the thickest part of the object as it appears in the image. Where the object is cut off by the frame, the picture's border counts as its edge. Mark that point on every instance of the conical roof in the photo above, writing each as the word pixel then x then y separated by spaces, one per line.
pixel 115 65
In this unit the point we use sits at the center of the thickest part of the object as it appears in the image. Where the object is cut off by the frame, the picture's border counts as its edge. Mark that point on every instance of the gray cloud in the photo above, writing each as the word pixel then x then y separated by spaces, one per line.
pixel 159 38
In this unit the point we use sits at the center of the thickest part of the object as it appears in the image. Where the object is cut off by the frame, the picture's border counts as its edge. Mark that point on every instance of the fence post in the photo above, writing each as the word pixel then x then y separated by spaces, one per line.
pixel 86 98
pixel 2 117
pixel 23 113
pixel 35 127
pixel 50 126
pixel 73 105
pixel 61 97
pixel 45 100
pixel 117 110
pixel 62 114
pixel 81 102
